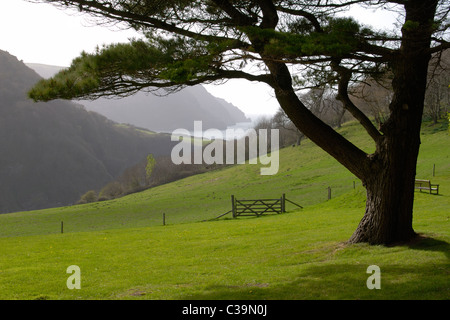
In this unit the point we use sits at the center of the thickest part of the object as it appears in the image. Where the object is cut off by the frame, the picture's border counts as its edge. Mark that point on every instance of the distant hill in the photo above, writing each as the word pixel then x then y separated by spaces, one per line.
pixel 52 153
pixel 163 113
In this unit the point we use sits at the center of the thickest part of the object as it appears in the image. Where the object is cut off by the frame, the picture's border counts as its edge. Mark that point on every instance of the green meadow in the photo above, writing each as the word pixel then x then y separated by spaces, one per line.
pixel 125 252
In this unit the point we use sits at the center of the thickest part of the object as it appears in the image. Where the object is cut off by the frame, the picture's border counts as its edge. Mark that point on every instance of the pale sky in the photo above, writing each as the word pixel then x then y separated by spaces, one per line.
pixel 41 33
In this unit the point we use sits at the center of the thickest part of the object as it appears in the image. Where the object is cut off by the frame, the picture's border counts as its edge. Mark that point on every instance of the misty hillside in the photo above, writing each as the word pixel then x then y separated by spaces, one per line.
pixel 52 153
pixel 163 113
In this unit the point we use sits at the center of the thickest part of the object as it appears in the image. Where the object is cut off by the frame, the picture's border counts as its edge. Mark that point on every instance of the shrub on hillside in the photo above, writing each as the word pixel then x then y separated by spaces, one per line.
pixel 88 197
pixel 111 191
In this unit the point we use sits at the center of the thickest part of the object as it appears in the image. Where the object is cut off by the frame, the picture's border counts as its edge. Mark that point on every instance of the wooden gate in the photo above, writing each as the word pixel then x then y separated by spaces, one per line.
pixel 257 207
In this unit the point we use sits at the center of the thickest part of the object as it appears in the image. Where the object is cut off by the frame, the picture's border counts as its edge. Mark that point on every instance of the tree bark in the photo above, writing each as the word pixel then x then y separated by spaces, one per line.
pixel 390 185
pixel 389 173
pixel 390 193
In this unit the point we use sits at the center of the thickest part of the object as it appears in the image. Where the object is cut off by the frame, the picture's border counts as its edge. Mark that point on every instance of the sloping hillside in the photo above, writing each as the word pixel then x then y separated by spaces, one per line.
pixel 163 113
pixel 304 175
pixel 124 251
pixel 52 153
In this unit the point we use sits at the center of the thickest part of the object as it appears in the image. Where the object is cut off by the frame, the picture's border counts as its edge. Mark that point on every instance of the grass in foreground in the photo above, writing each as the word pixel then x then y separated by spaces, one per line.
pixel 298 255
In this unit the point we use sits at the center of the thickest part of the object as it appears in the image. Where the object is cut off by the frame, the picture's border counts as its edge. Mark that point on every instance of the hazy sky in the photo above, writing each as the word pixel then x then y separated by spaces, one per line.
pixel 41 33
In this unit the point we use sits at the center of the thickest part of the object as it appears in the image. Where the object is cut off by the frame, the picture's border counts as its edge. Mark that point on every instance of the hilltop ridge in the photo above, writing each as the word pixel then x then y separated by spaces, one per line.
pixel 52 153
pixel 304 175
pixel 163 113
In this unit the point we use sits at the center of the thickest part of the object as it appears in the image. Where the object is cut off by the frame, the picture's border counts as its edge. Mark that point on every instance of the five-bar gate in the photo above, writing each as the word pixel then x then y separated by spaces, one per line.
pixel 257 207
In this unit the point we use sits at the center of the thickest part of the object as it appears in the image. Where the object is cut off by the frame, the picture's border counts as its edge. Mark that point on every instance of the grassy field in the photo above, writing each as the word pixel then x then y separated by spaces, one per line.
pixel 305 174
pixel 124 252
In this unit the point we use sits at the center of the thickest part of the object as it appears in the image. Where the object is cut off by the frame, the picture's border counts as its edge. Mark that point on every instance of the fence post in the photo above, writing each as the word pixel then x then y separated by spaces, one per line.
pixel 283 203
pixel 62 227
pixel 434 168
pixel 329 193
pixel 164 219
pixel 233 207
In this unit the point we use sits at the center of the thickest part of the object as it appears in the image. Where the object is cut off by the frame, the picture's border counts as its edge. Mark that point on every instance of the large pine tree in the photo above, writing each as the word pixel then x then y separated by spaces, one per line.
pixel 288 45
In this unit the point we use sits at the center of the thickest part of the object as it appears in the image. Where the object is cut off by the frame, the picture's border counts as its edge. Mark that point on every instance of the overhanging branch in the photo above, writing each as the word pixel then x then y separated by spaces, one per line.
pixel 345 77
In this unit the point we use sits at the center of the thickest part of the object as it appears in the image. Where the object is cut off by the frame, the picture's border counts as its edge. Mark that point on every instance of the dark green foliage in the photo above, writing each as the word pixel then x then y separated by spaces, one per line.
pixel 91 72
pixel 337 39
pixel 123 69
pixel 182 57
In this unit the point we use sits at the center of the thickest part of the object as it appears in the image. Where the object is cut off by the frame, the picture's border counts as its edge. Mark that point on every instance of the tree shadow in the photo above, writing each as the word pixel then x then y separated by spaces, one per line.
pixel 427 243
pixel 342 282
pixel 330 281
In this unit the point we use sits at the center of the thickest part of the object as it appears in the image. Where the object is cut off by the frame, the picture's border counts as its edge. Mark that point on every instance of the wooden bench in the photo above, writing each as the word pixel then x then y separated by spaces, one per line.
pixel 426 185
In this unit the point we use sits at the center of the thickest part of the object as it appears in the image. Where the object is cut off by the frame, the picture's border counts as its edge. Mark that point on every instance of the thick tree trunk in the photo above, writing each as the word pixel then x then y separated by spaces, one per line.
pixel 390 194
pixel 389 173
pixel 390 184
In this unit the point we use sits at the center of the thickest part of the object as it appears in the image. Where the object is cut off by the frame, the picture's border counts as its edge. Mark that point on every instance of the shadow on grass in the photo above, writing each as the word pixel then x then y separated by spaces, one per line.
pixel 343 282
pixel 423 242
pixel 340 281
